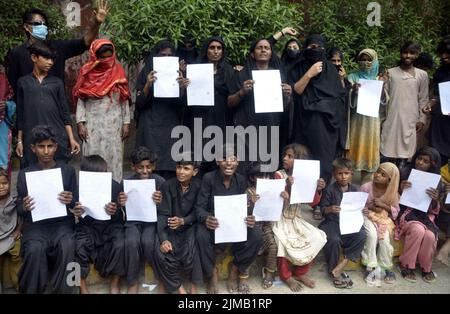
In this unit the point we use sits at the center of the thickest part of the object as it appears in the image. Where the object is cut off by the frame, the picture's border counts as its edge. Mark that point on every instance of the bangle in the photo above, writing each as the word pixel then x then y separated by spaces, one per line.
pixel 282 33
pixel 19 142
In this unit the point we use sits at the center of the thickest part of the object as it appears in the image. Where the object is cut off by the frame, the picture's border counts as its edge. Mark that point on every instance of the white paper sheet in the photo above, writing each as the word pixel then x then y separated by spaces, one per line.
pixel 140 205
pixel 416 196
pixel 166 84
pixel 230 212
pixel 369 95
pixel 200 91
pixel 444 95
pixel 95 193
pixel 270 203
pixel 351 217
pixel 305 173
pixel 267 91
pixel 44 187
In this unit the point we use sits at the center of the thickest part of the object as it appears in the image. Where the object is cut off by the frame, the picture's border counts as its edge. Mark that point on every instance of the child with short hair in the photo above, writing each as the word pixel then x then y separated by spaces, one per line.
pixel 140 236
pixel 351 244
pixel 381 210
pixel 418 229
pixel 224 181
pixel 10 226
pixel 48 246
pixel 97 241
pixel 41 100
pixel 308 239
pixel 176 257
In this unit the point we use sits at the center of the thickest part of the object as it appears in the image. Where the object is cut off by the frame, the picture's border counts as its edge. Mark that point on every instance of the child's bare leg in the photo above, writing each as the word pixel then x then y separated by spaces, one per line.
pixel 233 278
pixel 181 290
pixel 161 288
pixel 442 255
pixel 193 289
pixel 293 284
pixel 337 271
pixel 83 286
pixel 114 285
pixel 133 288
pixel 211 287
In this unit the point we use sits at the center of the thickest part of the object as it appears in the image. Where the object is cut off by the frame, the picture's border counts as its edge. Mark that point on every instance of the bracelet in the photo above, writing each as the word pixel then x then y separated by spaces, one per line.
pixel 282 33
pixel 19 142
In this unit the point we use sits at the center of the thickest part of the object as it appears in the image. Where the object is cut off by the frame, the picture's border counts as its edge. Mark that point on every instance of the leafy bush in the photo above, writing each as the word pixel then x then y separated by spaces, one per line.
pixel 12 33
pixel 136 25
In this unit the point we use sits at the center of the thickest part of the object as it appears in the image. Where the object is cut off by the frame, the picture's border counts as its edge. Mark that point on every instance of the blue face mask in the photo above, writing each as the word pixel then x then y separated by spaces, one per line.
pixel 40 32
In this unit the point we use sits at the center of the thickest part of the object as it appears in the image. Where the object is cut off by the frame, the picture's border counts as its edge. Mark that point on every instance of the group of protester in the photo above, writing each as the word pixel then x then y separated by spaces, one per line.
pixel 319 122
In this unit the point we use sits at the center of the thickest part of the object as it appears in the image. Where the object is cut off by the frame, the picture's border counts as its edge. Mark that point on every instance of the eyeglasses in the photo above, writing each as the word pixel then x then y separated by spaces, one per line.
pixel 37 23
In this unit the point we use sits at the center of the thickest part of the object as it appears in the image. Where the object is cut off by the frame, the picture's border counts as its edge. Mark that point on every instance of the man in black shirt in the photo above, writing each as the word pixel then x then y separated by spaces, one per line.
pixel 35 25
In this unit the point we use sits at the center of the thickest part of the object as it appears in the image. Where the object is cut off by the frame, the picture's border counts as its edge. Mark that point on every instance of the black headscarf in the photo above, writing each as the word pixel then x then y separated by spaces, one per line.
pixel 287 58
pixel 142 78
pixel 189 55
pixel 250 62
pixel 203 56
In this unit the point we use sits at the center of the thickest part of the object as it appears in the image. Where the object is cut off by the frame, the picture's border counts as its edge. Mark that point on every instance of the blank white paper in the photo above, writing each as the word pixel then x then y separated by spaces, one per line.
pixel 166 84
pixel 351 218
pixel 306 173
pixel 230 212
pixel 444 95
pixel 369 96
pixel 95 193
pixel 44 186
pixel 200 91
pixel 270 203
pixel 267 91
pixel 416 196
pixel 140 205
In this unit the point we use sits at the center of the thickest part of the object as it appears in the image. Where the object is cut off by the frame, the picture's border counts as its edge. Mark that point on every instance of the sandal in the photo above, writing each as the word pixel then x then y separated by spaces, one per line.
pixel 339 283
pixel 428 277
pixel 346 277
pixel 317 214
pixel 389 278
pixel 408 274
pixel 266 283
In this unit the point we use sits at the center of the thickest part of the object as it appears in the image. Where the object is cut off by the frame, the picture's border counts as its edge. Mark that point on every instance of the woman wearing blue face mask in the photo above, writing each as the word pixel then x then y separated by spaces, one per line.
pixel 35 25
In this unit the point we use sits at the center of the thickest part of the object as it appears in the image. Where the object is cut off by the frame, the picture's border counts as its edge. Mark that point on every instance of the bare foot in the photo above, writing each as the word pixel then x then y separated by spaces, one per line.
pixel 233 279
pixel 211 287
pixel 181 290
pixel 443 258
pixel 114 286
pixel 83 286
pixel 293 284
pixel 193 289
pixel 337 271
pixel 306 281
pixel 243 287
pixel 133 289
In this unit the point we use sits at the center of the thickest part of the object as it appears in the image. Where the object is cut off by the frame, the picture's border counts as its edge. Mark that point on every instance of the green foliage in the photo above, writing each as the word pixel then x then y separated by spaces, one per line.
pixel 12 33
pixel 344 24
pixel 136 25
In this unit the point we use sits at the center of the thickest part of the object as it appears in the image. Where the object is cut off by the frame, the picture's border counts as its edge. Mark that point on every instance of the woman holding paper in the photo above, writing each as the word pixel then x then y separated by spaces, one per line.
pixel 364 141
pixel 440 123
pixel 242 99
pixel 417 228
pixel 155 116
pixel 381 210
pixel 103 114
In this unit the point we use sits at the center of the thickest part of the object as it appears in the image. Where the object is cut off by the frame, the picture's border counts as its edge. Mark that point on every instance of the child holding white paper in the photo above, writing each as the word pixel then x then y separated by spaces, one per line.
pixel 140 236
pixel 293 228
pixel 351 244
pixel 224 182
pixel 177 256
pixel 443 220
pixel 269 246
pixel 47 241
pixel 97 241
pixel 416 228
pixel 381 209
pixel 10 227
